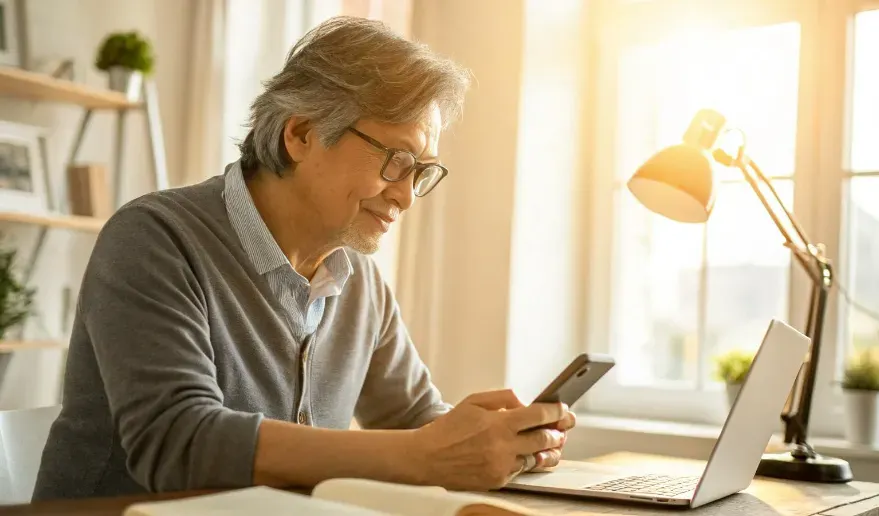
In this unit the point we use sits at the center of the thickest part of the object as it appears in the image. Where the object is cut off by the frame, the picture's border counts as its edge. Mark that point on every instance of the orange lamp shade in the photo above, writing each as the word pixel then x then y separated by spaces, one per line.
pixel 676 182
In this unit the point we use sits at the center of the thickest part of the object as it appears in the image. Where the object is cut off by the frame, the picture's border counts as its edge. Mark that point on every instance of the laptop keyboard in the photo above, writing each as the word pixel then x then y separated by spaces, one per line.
pixel 662 485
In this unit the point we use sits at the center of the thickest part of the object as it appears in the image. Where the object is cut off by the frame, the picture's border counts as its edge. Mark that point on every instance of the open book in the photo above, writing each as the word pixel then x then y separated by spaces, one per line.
pixel 343 497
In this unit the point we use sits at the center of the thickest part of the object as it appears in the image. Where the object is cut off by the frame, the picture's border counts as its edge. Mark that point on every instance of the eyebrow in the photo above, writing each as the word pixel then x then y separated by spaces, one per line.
pixel 406 144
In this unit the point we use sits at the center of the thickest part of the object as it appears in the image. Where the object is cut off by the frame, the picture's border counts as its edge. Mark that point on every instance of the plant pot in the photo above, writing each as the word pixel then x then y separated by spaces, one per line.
pixel 732 391
pixel 126 81
pixel 862 417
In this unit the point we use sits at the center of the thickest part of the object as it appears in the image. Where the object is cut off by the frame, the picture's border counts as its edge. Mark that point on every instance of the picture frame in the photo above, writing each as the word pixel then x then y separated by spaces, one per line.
pixel 13 41
pixel 22 168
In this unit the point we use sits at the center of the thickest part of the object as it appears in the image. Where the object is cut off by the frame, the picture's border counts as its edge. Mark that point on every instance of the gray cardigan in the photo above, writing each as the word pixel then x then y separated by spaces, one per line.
pixel 179 349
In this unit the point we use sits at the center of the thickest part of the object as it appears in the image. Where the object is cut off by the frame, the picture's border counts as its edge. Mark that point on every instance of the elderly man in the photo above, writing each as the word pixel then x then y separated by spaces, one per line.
pixel 228 332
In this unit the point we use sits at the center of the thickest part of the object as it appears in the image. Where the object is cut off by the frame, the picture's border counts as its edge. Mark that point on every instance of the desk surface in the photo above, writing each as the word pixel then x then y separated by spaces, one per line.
pixel 763 497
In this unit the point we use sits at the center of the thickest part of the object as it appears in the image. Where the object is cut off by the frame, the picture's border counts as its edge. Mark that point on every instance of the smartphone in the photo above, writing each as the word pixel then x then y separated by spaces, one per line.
pixel 580 375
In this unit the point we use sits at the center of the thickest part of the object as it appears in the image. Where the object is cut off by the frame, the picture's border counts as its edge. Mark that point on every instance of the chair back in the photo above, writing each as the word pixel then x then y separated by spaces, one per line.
pixel 23 434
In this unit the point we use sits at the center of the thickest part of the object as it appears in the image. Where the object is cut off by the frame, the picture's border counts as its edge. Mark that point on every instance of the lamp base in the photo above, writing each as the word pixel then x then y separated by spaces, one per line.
pixel 804 465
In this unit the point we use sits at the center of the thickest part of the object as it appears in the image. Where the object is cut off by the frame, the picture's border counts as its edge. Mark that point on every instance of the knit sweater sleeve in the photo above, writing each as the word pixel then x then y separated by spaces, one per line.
pixel 146 317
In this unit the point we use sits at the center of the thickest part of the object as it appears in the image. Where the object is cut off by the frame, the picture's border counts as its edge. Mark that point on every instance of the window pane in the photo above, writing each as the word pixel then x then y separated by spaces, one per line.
pixel 865 100
pixel 748 274
pixel 654 314
pixel 749 75
pixel 862 277
pixel 658 274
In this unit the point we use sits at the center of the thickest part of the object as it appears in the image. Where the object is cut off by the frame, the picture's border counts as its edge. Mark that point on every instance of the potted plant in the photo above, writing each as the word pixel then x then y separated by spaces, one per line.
pixel 731 368
pixel 860 384
pixel 127 57
pixel 16 299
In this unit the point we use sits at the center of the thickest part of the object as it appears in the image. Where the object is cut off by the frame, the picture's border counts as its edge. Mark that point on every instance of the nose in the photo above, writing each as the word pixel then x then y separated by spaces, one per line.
pixel 402 192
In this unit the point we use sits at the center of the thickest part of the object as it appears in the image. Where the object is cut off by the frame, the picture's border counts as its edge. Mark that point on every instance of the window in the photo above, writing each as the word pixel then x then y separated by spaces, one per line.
pixel 678 289
pixel 862 176
pixel 666 297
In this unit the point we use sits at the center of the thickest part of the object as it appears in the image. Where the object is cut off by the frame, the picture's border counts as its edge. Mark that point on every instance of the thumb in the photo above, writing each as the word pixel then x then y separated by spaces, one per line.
pixel 494 400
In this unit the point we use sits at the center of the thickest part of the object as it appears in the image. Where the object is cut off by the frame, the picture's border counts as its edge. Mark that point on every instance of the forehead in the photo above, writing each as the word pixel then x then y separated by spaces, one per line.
pixel 420 137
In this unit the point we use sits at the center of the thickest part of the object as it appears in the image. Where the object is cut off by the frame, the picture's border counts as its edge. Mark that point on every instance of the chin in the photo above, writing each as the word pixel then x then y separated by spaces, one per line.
pixel 361 242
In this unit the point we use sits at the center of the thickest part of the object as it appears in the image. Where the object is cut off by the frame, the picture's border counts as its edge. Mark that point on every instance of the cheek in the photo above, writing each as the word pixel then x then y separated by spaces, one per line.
pixel 364 183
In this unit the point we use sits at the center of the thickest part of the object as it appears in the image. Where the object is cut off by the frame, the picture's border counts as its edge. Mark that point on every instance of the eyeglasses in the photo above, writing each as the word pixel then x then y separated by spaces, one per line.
pixel 399 163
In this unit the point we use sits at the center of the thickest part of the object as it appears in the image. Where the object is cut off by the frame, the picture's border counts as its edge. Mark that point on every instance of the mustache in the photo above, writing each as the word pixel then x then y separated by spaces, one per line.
pixel 392 212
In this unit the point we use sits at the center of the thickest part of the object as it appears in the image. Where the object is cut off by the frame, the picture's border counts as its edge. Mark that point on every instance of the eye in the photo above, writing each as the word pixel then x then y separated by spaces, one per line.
pixel 402 160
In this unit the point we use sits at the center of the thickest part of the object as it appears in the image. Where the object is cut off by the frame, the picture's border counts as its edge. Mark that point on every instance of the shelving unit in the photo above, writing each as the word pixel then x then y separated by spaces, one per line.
pixel 29 86
pixel 73 222
pixel 8 346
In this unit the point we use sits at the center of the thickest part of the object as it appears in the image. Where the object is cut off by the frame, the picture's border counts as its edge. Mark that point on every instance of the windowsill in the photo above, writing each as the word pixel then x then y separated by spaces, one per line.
pixel 599 434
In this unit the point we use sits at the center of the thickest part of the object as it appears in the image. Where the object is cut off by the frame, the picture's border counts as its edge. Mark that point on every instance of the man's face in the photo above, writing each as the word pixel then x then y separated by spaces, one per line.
pixel 342 185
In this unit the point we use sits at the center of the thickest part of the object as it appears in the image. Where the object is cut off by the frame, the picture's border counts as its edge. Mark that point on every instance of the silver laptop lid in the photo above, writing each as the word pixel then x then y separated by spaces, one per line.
pixel 754 414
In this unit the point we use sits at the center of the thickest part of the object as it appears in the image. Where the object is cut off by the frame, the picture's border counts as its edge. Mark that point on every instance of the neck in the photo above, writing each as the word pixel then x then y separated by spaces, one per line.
pixel 293 226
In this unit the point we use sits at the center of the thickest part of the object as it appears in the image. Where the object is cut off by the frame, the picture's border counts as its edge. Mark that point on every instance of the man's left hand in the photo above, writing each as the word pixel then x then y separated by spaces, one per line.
pixel 548 459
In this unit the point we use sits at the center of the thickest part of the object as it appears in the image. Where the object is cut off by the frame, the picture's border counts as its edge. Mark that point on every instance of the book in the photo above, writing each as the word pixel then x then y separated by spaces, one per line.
pixel 343 497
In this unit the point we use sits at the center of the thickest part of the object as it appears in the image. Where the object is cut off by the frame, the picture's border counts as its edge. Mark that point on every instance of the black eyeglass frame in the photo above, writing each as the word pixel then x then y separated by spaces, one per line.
pixel 418 167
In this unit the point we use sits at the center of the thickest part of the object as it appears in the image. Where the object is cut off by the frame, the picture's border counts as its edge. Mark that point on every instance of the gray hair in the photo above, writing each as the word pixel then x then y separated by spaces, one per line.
pixel 343 70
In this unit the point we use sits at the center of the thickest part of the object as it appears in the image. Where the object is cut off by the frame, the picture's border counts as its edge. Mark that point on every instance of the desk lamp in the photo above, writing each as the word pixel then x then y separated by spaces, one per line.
pixel 677 182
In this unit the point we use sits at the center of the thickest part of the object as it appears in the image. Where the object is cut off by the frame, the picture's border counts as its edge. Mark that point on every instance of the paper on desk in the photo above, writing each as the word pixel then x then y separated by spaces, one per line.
pixel 251 500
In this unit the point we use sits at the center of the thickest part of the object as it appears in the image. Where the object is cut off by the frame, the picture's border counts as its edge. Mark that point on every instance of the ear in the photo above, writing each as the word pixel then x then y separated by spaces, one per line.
pixel 298 138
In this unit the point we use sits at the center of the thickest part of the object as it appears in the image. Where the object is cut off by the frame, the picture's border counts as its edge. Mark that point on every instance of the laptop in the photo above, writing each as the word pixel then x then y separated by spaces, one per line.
pixel 736 454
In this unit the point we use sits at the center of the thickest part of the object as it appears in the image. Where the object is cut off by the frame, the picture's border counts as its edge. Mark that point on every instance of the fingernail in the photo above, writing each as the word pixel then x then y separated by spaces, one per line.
pixel 565 407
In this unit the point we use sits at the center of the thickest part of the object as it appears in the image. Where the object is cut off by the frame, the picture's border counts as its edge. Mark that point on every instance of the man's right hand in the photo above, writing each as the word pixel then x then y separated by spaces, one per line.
pixel 481 443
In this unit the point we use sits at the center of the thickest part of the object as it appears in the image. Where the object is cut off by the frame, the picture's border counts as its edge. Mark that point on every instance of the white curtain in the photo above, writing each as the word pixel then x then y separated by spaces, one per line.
pixel 419 275
pixel 203 118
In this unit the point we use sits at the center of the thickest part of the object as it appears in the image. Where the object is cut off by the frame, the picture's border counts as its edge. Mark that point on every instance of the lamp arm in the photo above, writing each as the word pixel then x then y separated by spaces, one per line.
pixel 811 257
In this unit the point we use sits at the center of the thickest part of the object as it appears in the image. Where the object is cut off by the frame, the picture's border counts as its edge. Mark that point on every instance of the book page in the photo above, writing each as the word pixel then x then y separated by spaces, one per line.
pixel 406 500
pixel 251 500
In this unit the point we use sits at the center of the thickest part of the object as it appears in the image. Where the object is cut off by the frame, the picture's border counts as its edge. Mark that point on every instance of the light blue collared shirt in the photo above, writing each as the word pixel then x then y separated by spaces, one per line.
pixel 303 300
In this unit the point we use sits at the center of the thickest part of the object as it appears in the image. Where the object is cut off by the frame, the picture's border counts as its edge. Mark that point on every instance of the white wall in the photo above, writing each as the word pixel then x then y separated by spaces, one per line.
pixel 74 29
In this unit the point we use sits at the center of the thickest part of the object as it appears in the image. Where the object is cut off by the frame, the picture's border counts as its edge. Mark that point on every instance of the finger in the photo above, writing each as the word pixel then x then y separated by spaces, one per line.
pixel 528 443
pixel 518 466
pixel 548 459
pixel 567 422
pixel 495 400
pixel 534 415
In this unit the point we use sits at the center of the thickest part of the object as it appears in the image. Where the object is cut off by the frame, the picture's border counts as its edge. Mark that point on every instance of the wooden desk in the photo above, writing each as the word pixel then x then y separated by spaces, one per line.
pixel 763 497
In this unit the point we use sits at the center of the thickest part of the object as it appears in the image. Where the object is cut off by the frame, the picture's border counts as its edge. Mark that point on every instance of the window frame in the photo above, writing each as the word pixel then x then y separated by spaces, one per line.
pixel 822 144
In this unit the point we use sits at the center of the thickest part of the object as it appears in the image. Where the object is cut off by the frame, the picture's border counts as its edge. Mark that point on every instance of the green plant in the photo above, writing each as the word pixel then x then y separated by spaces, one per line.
pixel 732 366
pixel 16 299
pixel 862 371
pixel 126 49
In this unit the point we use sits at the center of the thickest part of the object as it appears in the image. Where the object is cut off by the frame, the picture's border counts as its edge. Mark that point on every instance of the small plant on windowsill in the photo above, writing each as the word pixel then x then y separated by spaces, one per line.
pixel 16 300
pixel 731 368
pixel 860 385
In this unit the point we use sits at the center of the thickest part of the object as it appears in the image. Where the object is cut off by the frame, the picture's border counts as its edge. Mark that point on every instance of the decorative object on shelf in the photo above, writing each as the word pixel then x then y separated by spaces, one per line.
pixel 16 299
pixel 13 43
pixel 860 384
pixel 731 368
pixel 22 168
pixel 127 57
pixel 88 191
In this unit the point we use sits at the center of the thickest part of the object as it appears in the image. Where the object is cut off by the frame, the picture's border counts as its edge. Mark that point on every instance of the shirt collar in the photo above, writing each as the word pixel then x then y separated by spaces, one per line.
pixel 257 240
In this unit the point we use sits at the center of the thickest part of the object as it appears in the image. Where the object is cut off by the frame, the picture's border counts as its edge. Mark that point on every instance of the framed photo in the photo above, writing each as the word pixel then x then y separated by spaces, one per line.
pixel 22 168
pixel 12 35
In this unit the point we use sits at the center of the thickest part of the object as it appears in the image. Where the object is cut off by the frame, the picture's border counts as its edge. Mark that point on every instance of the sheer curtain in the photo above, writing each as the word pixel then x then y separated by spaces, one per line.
pixel 204 94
